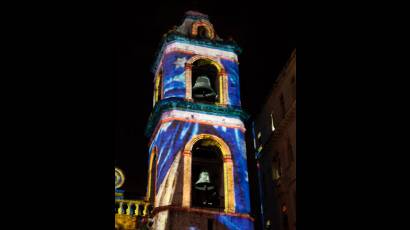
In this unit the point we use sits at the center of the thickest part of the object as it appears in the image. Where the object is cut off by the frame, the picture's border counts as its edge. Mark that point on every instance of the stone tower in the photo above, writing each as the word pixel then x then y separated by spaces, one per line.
pixel 198 177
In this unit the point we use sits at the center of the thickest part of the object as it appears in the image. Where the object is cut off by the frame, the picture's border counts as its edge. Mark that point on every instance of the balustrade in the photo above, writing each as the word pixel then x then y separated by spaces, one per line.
pixel 131 207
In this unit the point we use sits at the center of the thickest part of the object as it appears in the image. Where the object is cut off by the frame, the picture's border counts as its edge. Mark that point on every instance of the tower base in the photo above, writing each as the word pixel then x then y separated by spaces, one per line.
pixel 173 217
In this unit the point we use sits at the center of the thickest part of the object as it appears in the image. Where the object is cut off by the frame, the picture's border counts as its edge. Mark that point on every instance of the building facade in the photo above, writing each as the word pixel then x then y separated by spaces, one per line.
pixel 274 143
pixel 198 177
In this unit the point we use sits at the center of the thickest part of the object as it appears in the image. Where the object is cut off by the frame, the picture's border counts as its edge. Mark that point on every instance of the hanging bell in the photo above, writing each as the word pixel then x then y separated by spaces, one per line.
pixel 204 183
pixel 203 89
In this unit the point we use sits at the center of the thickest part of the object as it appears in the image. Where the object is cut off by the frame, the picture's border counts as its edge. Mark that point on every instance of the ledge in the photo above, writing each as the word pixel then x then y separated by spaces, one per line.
pixel 181 104
pixel 200 211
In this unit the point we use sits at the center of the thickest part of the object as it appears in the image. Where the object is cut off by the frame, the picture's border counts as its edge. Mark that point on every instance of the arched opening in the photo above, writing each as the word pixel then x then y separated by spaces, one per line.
pixel 205 82
pixel 285 218
pixel 203 32
pixel 207 175
pixel 152 175
pixel 228 195
pixel 158 87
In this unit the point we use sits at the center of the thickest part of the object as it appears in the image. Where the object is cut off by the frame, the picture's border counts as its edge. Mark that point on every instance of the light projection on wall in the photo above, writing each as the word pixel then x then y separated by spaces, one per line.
pixel 193 62
pixel 169 153
pixel 166 189
pixel 175 71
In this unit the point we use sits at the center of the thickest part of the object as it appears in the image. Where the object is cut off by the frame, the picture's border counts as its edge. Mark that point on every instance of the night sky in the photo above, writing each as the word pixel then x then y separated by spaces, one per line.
pixel 265 32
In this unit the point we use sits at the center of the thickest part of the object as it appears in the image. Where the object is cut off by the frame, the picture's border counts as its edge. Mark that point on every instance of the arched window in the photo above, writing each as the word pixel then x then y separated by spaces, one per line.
pixel 207 175
pixel 203 32
pixel 152 175
pixel 205 82
pixel 158 87
pixel 285 218
pixel 206 152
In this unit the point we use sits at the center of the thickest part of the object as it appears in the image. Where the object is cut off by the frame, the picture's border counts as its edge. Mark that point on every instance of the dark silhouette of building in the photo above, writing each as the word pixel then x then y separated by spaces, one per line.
pixel 274 144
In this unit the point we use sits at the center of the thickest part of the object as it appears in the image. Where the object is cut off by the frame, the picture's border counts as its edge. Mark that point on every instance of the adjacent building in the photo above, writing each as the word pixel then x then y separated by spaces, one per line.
pixel 274 143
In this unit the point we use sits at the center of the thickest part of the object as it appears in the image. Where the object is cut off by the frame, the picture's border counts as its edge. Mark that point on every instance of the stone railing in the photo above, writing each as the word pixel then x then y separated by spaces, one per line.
pixel 131 207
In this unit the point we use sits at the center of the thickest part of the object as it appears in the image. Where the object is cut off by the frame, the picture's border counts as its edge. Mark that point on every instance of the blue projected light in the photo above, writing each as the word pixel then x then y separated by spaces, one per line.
pixel 179 120
pixel 183 132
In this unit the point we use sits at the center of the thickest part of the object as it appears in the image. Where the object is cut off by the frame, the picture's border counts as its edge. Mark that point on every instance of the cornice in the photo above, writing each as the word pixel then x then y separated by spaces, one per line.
pixel 181 104
pixel 200 211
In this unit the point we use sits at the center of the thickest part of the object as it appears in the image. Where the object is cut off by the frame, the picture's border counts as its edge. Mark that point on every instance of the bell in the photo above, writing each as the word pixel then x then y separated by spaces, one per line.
pixel 203 89
pixel 204 183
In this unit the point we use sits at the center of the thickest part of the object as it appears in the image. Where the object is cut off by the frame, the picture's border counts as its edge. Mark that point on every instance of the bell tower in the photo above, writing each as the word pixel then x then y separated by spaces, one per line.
pixel 198 177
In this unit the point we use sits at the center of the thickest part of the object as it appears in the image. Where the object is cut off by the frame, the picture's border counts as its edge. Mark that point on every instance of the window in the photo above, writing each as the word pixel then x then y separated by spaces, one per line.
pixel 203 32
pixel 275 173
pixel 272 123
pixel 210 224
pixel 159 95
pixel 207 175
pixel 205 82
pixel 276 170
pixel 153 176
pixel 158 87
pixel 259 141
pixel 285 219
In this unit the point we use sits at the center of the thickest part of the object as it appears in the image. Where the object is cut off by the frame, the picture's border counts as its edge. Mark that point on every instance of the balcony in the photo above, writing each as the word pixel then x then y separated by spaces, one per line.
pixel 131 214
pixel 131 207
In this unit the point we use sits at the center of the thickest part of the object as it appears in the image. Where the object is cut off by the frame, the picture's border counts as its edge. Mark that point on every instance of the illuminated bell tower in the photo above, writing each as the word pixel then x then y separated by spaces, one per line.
pixel 198 176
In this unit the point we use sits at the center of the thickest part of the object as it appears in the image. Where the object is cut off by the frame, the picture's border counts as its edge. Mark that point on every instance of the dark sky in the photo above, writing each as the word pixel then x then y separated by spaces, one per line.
pixel 265 32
